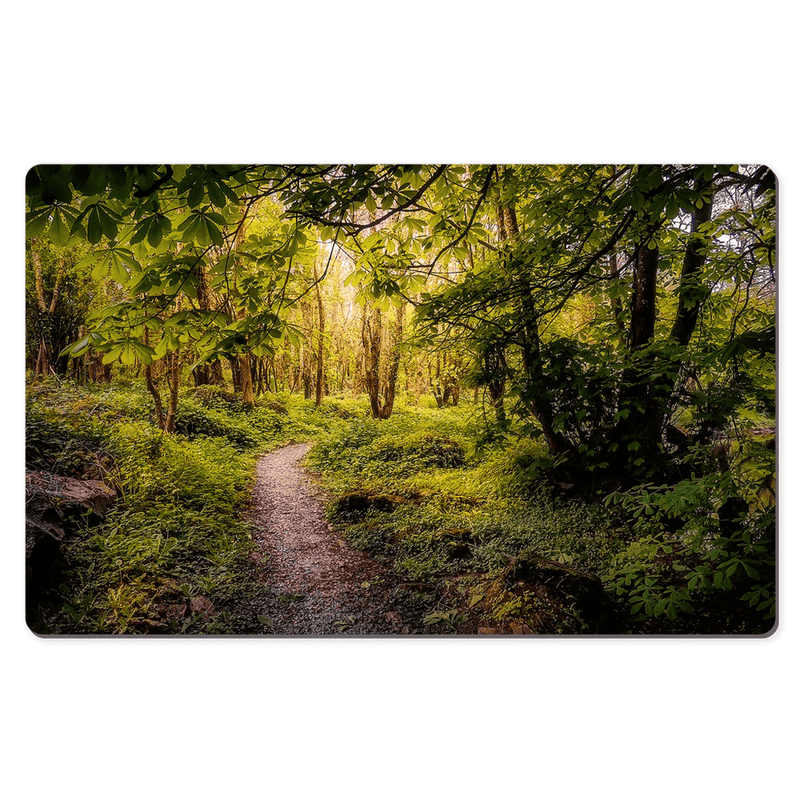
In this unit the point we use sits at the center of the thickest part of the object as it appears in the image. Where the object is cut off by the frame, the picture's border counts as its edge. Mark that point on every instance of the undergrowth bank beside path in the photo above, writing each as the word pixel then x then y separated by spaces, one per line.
pixel 170 552
pixel 455 527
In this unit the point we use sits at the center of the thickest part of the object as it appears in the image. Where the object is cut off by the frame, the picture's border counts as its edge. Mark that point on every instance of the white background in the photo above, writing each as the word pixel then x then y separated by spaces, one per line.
pixel 622 82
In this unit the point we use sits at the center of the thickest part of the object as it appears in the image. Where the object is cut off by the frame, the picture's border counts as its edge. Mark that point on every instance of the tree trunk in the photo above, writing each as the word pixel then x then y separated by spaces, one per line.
pixel 643 310
pixel 153 389
pixel 236 373
pixel 320 347
pixel 394 366
pixel 206 374
pixel 691 292
pixel 242 360
pixel 246 375
pixel 616 302
pixel 380 352
pixel 174 376
pixel 534 395
pixel 151 386
pixel 371 340
pixel 44 358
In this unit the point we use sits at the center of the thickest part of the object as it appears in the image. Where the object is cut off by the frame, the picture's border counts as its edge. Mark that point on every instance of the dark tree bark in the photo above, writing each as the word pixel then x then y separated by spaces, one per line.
pixel 206 374
pixel 320 342
pixel 535 395
pixel 690 293
pixel 371 340
pixel 174 376
pixel 643 309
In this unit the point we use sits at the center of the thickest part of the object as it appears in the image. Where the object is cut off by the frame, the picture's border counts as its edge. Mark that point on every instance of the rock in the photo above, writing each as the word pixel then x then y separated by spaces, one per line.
pixel 201 605
pixel 559 595
pixel 55 506
pixel 457 541
pixel 393 617
pixel 519 628
pixel 355 506
pixel 170 611
pixel 69 494
pixel 92 495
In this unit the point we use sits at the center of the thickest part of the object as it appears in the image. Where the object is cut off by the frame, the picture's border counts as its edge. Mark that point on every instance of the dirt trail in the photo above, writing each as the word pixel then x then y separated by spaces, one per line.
pixel 317 584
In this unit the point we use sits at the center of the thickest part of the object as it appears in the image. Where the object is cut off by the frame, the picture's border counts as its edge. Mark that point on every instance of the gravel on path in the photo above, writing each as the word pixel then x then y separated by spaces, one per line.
pixel 318 585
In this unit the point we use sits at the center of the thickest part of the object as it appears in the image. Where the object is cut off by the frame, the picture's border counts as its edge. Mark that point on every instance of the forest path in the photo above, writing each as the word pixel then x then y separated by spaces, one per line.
pixel 318 585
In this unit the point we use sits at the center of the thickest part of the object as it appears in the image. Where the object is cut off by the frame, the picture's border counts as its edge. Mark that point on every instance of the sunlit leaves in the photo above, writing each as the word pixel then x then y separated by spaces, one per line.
pixel 59 229
pixel 153 228
pixel 97 220
pixel 57 221
pixel 200 182
pixel 94 339
pixel 128 352
pixel 37 221
pixel 203 227
pixel 119 262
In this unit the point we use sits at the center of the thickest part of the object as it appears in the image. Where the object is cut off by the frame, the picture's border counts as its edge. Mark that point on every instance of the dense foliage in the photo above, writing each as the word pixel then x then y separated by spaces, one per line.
pixel 612 325
pixel 463 529
pixel 176 531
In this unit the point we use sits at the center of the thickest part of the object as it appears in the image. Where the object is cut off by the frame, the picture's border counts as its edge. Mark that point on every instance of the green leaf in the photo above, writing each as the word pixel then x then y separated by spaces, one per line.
pixel 58 231
pixel 749 569
pixel 94 228
pixel 127 355
pixel 76 349
pixel 190 229
pixel 160 349
pixel 101 268
pixel 118 271
pixel 145 353
pixel 140 231
pixel 214 233
pixel 196 194
pixel 36 222
pixel 90 258
pixel 215 194
pixel 113 354
pixel 107 222
pixel 154 232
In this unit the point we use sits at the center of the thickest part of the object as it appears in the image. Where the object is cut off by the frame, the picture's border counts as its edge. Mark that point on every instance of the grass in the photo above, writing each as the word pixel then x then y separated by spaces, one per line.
pixel 417 492
pixel 176 537
pixel 461 512
pixel 463 519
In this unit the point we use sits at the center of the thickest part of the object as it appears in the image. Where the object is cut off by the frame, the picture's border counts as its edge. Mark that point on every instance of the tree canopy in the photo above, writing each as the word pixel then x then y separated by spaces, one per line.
pixel 612 306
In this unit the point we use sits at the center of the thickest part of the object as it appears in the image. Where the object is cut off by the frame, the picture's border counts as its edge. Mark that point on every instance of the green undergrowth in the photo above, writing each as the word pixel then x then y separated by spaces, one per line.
pixel 462 518
pixel 419 494
pixel 443 505
pixel 170 556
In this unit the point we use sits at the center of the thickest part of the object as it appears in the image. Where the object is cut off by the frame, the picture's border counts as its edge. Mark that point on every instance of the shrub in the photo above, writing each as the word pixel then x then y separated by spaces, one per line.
pixel 423 449
pixel 63 445
pixel 218 397
pixel 194 419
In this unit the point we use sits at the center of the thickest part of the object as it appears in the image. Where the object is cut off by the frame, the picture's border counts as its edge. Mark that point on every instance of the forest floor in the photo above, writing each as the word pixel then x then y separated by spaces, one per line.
pixel 316 583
